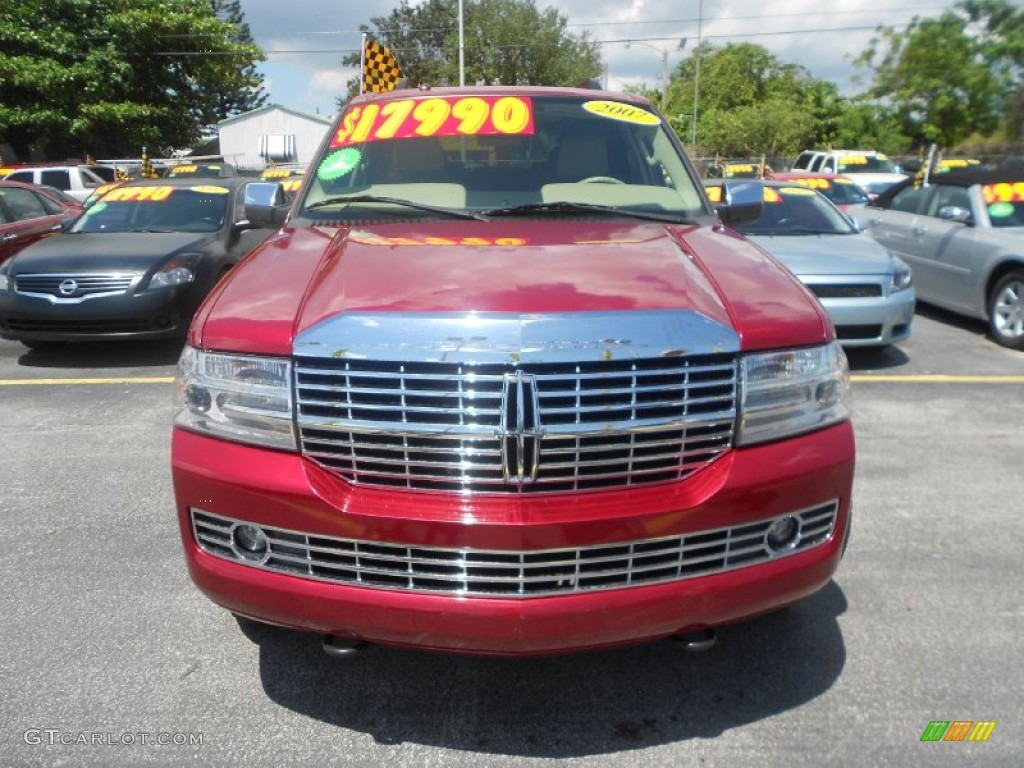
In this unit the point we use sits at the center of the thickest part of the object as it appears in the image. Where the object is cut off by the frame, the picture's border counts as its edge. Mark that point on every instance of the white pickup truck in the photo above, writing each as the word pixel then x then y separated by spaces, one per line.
pixel 872 171
pixel 76 180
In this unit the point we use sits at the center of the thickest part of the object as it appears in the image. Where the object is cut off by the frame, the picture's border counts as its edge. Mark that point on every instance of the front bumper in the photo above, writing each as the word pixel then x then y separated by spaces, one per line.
pixel 287 492
pixel 872 322
pixel 145 315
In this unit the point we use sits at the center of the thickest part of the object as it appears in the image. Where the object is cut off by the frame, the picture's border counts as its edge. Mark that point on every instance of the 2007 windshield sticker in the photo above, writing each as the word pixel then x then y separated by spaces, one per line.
pixel 619 111
pixel 436 116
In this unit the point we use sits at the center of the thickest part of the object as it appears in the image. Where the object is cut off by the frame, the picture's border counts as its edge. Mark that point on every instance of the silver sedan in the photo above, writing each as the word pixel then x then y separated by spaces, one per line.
pixel 963 235
pixel 866 291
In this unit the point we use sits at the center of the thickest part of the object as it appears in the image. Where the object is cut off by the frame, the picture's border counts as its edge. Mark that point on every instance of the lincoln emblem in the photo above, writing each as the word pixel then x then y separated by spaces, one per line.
pixel 520 431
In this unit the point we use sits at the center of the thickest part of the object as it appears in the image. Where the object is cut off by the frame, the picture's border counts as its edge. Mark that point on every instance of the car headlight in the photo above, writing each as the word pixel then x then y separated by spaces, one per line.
pixel 901 275
pixel 792 391
pixel 3 281
pixel 235 397
pixel 177 271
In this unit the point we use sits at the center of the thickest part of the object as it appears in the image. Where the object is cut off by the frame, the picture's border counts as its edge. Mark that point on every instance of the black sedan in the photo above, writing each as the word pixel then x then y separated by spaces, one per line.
pixel 136 264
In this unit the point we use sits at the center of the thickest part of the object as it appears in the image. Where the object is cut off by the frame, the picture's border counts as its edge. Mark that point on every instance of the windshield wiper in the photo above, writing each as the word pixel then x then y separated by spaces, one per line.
pixel 341 199
pixel 568 207
pixel 152 230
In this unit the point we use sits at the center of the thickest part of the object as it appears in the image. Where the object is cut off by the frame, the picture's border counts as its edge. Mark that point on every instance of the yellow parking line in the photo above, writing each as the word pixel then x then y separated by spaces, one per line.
pixel 121 380
pixel 936 378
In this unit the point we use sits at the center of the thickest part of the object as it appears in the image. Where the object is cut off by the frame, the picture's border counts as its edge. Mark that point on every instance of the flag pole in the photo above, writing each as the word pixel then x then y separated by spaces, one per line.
pixel 362 63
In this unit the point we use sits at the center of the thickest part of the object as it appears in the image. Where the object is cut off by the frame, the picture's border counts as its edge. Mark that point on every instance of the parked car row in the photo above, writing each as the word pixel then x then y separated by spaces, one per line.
pixel 963 236
pixel 135 264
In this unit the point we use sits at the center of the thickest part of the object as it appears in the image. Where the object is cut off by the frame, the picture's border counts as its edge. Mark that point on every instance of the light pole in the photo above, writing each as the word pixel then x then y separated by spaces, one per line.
pixel 664 66
pixel 696 77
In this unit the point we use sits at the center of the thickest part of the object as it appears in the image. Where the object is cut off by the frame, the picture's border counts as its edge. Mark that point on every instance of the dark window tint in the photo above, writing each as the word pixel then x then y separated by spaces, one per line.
pixel 58 179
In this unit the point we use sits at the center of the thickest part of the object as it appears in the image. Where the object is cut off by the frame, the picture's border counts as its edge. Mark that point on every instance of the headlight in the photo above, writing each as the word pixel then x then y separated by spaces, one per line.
pixel 3 281
pixel 177 271
pixel 793 391
pixel 901 276
pixel 235 397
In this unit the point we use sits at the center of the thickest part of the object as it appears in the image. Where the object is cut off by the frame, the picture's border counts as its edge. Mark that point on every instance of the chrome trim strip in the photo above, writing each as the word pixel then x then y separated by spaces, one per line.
pixel 496 337
pixel 514 573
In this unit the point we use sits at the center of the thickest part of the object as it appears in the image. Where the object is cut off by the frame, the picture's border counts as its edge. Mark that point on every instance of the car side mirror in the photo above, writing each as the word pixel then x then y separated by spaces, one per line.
pixel 955 213
pixel 743 202
pixel 265 206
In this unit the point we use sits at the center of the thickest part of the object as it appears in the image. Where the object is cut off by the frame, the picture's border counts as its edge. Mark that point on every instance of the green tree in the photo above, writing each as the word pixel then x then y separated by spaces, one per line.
pixel 244 92
pixel 505 41
pixel 949 77
pixel 107 77
pixel 750 103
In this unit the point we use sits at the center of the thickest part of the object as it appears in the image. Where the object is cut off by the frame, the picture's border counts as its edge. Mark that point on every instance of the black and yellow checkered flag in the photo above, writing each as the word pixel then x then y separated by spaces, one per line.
pixel 380 68
pixel 147 171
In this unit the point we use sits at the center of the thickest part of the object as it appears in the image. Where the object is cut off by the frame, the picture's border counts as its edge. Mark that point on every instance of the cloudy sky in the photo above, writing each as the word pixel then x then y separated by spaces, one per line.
pixel 305 39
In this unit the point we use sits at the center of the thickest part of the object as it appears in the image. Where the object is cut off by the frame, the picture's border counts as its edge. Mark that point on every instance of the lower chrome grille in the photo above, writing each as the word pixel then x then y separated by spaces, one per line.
pixel 543 427
pixel 842 291
pixel 528 573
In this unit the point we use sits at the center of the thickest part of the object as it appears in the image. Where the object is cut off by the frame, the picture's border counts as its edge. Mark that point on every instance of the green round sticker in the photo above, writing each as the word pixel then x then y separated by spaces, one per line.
pixel 338 164
pixel 1000 210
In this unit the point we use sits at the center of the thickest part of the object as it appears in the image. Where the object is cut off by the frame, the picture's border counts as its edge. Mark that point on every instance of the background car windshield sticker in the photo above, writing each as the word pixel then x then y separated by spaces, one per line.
pixel 1001 210
pixel 1005 192
pixel 338 164
pixel 120 194
pixel 209 189
pixel 627 113
pixel 279 173
pixel 791 192
pixel 814 183
pixel 852 160
pixel 714 194
pixel 447 116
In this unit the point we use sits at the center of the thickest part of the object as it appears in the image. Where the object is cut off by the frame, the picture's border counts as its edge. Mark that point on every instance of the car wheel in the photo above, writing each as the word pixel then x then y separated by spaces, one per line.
pixel 1006 311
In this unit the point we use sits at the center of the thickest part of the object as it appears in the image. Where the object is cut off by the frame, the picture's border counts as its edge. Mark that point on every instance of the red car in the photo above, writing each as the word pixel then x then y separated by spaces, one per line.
pixel 503 383
pixel 28 213
pixel 841 190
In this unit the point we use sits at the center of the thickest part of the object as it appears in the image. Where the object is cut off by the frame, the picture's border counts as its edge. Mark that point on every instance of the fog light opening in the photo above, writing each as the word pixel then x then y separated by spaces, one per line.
pixel 782 534
pixel 249 542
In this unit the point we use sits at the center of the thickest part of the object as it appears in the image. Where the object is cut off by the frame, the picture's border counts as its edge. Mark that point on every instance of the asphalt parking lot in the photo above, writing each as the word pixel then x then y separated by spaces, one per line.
pixel 110 657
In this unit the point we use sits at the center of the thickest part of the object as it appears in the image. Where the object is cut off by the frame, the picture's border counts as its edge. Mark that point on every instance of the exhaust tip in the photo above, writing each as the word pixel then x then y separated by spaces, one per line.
pixel 698 641
pixel 342 647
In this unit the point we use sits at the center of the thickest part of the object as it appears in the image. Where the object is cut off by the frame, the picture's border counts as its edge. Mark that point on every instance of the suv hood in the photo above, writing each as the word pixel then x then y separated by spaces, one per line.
pixel 86 252
pixel 302 277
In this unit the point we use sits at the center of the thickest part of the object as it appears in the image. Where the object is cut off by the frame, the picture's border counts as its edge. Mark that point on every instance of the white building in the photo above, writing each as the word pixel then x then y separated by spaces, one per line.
pixel 271 135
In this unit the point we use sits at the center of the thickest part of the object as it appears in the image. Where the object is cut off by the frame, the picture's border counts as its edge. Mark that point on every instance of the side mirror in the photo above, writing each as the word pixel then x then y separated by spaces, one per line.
pixel 265 206
pixel 955 213
pixel 744 202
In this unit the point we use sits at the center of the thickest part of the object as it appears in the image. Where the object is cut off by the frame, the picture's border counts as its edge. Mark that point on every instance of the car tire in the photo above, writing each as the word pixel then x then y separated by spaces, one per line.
pixel 1006 310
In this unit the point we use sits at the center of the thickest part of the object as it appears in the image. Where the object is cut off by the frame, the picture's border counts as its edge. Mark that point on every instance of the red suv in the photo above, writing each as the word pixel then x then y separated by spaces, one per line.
pixel 504 383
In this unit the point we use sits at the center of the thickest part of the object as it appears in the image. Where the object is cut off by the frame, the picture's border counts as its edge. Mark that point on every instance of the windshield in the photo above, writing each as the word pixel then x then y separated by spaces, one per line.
pixel 128 208
pixel 498 154
pixel 866 164
pixel 797 210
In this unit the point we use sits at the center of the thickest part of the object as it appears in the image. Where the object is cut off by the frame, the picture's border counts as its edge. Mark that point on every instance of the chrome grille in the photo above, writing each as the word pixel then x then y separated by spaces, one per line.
pixel 461 427
pixel 527 573
pixel 85 285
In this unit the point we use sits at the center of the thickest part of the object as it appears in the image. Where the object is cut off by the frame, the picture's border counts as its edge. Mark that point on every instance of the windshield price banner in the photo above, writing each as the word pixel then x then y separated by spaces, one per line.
pixel 1006 192
pixel 449 116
